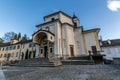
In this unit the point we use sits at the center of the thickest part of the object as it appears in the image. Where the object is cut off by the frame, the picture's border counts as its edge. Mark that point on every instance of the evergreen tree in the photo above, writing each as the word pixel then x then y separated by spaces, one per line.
pixel 19 36
pixel 15 37
pixel 24 38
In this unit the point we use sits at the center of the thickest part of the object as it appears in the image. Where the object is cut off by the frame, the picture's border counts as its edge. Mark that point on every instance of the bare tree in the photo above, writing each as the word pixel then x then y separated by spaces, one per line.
pixel 8 36
pixel 1 40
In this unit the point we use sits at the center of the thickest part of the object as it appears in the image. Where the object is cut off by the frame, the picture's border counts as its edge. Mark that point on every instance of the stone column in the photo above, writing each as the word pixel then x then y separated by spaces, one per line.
pixel 48 52
pixel 37 51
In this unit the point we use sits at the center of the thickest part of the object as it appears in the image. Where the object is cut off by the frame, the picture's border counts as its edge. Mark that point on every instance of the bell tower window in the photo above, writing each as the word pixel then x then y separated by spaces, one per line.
pixel 52 19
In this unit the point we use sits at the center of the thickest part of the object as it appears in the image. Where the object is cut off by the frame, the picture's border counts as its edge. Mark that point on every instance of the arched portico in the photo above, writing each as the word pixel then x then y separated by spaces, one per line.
pixel 45 40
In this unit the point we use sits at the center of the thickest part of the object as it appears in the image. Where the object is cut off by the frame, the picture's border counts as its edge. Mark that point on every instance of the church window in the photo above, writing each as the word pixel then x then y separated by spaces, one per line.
pixel 52 19
pixel 23 46
pixel 47 28
pixel 3 49
pixel 51 50
pixel 14 47
pixel 17 54
pixel 30 45
pixel 5 55
pixel 0 55
pixel 18 47
pixel 10 48
pixel 51 37
pixel 6 48
pixel 12 55
pixel 41 50
pixel 75 24
pixel 40 28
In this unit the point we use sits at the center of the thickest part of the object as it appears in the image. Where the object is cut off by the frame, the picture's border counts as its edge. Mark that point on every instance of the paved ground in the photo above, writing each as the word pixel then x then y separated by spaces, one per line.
pixel 66 72
pixel 2 76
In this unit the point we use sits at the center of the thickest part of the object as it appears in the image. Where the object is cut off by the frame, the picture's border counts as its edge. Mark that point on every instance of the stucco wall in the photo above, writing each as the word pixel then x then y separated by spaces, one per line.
pixel 65 19
pixel 14 52
pixel 47 19
pixel 91 39
pixel 80 45
pixel 113 51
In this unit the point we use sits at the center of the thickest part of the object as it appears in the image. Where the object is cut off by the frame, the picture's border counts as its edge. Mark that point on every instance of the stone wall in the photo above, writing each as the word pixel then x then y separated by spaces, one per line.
pixel 116 60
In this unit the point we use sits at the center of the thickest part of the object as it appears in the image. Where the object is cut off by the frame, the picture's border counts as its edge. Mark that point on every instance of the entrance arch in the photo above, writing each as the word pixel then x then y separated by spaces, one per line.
pixel 43 38
pixel 40 38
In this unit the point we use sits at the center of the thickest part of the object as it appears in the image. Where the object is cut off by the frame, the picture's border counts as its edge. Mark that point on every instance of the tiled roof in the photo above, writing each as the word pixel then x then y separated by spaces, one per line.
pixel 113 42
pixel 21 42
pixel 95 29
pixel 58 13
pixel 4 44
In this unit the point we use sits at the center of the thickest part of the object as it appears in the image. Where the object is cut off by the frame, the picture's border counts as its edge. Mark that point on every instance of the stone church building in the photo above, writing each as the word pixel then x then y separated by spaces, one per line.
pixel 62 36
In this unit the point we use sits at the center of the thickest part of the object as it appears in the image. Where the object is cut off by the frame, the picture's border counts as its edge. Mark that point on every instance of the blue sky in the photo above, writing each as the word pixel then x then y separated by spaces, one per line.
pixel 23 15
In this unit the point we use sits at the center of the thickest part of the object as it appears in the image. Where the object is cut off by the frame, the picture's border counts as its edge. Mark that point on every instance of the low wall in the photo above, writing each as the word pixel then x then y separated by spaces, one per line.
pixel 116 60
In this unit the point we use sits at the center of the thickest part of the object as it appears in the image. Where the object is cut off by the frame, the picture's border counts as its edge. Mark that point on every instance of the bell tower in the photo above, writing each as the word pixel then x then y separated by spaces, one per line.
pixel 76 21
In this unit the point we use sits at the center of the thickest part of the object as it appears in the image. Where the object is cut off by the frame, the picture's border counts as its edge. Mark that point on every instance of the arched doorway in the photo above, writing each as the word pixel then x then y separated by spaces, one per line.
pixel 22 56
pixel 26 55
pixel 30 55
pixel 43 39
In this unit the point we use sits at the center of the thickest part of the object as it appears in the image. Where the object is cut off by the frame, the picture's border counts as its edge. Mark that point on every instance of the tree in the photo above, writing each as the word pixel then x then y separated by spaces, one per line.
pixel 19 36
pixel 24 38
pixel 15 37
pixel 1 40
pixel 8 36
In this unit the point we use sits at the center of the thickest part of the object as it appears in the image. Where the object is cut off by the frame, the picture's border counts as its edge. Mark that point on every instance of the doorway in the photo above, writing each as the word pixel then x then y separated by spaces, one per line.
pixel 72 50
pixel 45 51
pixel 94 50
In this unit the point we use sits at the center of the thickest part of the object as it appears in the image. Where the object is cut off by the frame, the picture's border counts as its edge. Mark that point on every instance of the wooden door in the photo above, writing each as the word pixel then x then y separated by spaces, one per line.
pixel 94 50
pixel 72 51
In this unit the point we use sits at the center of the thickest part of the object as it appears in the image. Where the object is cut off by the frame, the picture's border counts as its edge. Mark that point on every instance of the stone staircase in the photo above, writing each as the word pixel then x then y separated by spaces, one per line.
pixel 37 62
pixel 82 60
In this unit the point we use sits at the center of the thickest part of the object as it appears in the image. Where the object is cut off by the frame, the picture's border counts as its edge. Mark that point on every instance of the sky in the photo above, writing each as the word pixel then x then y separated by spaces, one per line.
pixel 23 15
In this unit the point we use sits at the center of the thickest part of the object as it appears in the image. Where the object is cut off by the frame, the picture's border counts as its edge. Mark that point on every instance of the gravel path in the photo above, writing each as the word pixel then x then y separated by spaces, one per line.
pixel 66 72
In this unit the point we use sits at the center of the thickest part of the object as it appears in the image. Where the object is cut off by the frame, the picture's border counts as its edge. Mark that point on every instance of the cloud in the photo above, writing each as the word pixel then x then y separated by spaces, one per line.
pixel 113 5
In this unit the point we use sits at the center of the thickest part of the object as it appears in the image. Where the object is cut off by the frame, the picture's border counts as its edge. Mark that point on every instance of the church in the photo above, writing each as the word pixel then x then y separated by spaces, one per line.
pixel 62 36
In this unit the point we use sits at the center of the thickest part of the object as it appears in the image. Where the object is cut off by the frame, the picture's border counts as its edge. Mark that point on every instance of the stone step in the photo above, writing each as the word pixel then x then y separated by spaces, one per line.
pixel 77 62
pixel 80 58
pixel 37 62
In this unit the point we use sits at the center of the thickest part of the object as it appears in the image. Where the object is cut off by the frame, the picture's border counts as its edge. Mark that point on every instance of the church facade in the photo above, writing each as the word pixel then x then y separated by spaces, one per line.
pixel 62 36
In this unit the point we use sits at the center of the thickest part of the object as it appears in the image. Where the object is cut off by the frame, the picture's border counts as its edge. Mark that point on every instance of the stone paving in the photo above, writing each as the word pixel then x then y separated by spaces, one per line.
pixel 65 72
pixel 2 76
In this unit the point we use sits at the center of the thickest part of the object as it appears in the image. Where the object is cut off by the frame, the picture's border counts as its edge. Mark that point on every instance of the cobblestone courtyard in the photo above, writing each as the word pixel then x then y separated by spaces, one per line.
pixel 66 72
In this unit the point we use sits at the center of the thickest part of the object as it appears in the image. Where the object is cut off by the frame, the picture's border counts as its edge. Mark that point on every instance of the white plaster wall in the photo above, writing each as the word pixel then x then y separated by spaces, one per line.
pixel 68 39
pixel 80 46
pixel 90 40
pixel 64 41
pixel 113 51
pixel 59 39
pixel 65 19
pixel 47 19
pixel 50 25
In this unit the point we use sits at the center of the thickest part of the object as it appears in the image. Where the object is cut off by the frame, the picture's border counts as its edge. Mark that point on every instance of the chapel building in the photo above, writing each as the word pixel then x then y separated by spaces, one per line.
pixel 62 36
